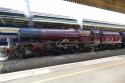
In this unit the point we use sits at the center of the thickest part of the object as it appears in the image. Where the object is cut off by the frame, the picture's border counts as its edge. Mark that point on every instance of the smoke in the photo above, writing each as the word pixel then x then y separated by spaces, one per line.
pixel 28 13
pixel 80 22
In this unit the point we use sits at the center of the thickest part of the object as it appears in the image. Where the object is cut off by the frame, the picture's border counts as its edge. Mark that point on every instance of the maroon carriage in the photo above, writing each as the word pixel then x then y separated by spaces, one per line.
pixel 111 39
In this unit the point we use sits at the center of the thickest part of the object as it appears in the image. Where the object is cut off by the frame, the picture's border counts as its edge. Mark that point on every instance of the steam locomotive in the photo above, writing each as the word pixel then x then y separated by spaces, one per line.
pixel 24 42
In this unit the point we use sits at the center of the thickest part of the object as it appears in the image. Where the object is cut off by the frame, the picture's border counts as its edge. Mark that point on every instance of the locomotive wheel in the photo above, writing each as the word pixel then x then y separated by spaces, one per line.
pixel 15 55
pixel 57 51
pixel 26 51
pixel 120 46
pixel 100 47
pixel 92 49
pixel 37 54
pixel 81 48
pixel 47 52
pixel 69 50
pixel 74 50
pixel 104 47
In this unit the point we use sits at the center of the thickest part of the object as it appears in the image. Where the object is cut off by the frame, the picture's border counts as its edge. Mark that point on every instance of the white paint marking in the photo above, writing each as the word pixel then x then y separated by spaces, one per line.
pixel 42 71
pixel 102 60
pixel 22 74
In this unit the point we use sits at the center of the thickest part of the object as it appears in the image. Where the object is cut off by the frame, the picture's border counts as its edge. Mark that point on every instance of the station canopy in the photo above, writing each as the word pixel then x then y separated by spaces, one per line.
pixel 10 18
pixel 114 5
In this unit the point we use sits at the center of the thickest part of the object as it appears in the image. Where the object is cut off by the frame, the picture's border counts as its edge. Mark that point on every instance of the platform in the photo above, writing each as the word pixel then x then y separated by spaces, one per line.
pixel 104 70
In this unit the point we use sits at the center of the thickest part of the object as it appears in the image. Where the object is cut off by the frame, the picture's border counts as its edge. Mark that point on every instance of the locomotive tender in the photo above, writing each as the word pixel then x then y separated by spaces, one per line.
pixel 24 42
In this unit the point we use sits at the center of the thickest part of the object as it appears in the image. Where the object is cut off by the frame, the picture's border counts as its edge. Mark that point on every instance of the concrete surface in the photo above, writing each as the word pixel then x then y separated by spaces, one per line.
pixel 105 70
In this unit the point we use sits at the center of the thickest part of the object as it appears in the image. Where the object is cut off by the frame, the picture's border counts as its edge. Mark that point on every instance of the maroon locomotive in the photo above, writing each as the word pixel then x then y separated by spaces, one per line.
pixel 35 41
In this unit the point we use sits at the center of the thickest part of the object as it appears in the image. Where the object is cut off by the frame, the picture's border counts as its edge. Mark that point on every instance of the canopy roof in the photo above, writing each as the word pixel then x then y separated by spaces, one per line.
pixel 114 5
pixel 53 21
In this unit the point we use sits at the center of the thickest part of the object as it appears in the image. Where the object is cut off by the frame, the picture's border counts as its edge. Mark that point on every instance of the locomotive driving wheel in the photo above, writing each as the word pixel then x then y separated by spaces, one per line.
pixel 17 54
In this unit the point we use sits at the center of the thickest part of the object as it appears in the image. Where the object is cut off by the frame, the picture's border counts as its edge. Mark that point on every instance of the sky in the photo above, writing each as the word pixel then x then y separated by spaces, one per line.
pixel 60 7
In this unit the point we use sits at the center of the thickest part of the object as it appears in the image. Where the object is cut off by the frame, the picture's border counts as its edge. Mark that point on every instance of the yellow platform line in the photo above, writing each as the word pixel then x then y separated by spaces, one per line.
pixel 76 73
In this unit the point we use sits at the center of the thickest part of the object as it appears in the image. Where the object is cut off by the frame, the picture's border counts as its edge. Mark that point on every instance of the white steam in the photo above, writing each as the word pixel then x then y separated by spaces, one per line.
pixel 28 12
pixel 80 22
